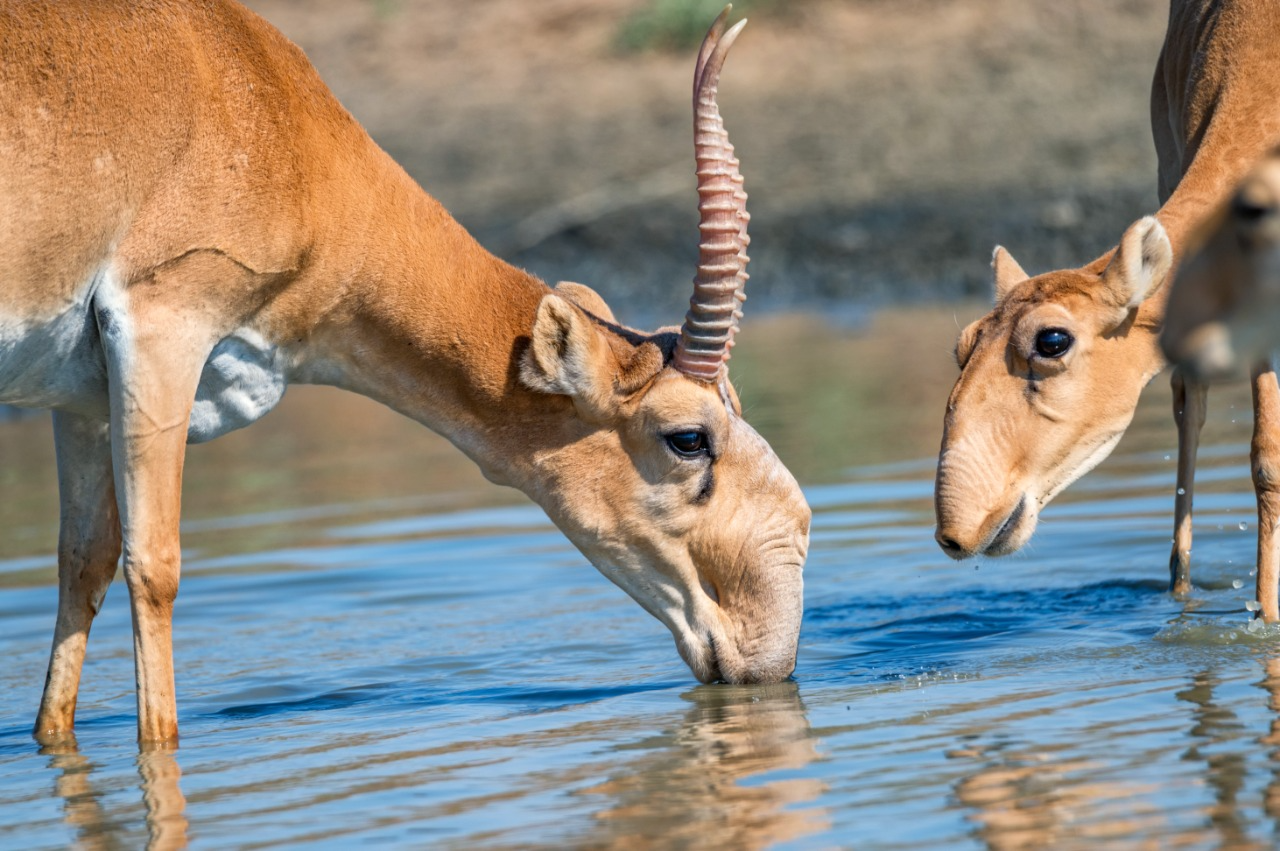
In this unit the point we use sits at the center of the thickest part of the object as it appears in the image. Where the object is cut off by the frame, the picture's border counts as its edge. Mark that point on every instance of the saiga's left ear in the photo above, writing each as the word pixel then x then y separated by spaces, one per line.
pixel 569 355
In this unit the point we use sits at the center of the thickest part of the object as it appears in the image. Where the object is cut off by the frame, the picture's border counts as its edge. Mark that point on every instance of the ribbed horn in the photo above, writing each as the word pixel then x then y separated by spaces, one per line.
pixel 712 320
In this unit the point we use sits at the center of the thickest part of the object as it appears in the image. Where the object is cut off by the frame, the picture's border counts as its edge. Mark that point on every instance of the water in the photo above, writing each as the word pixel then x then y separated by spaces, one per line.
pixel 374 645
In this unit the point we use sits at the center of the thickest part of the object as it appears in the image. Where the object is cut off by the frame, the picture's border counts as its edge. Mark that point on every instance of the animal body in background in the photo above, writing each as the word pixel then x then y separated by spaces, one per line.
pixel 1224 308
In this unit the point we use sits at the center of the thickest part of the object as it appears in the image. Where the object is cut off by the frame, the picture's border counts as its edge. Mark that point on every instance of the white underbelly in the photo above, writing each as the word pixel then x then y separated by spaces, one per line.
pixel 242 380
pixel 54 361
pixel 58 361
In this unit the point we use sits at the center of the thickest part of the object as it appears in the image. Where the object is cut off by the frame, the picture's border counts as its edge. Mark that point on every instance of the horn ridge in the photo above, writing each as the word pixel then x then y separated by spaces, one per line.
pixel 718 288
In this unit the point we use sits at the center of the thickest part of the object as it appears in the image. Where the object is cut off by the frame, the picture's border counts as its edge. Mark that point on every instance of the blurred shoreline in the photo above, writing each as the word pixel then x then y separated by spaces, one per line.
pixel 888 145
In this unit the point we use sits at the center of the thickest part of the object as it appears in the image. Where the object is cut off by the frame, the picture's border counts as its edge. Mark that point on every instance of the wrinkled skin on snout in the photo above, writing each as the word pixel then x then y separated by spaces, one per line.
pixel 1224 306
pixel 1049 380
pixel 669 492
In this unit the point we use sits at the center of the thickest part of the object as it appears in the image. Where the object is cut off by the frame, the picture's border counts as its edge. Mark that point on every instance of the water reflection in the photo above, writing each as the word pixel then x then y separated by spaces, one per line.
pixel 1224 771
pixel 691 786
pixel 1270 683
pixel 94 824
pixel 1041 799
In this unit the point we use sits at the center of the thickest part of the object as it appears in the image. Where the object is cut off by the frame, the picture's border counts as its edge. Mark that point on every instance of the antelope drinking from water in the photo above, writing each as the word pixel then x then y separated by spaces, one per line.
pixel 189 221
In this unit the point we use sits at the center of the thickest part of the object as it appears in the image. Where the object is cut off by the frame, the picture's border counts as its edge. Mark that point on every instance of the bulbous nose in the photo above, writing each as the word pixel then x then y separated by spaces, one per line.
pixel 950 545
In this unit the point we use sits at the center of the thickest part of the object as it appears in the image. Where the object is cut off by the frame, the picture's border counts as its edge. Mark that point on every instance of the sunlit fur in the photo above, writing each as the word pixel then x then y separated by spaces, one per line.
pixel 1014 430
pixel 1020 427
pixel 1224 309
pixel 178 184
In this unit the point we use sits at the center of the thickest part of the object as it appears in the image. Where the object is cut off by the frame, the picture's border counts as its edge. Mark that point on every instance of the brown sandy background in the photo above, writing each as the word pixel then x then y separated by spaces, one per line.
pixel 887 144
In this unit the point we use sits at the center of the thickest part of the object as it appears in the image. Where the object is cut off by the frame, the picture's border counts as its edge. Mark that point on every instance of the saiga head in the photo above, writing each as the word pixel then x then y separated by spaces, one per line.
pixel 1224 306
pixel 663 485
pixel 1049 381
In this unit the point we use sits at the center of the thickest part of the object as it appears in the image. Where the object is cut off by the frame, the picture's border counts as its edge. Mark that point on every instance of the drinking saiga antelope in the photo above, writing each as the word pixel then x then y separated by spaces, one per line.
pixel 190 221
pixel 1049 379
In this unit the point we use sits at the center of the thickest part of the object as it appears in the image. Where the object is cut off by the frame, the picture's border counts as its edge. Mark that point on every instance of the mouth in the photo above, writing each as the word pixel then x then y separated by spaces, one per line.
pixel 711 673
pixel 1000 543
pixel 702 657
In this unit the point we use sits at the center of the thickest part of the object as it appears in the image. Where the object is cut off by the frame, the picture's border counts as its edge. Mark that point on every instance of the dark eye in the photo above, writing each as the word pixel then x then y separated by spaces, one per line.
pixel 1250 211
pixel 687 443
pixel 1053 343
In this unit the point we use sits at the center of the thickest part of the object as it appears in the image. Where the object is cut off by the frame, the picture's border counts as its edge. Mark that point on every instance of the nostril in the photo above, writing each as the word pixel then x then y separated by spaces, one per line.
pixel 949 544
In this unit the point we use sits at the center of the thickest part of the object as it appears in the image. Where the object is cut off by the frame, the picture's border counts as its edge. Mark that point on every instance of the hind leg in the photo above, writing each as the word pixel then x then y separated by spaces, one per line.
pixel 88 552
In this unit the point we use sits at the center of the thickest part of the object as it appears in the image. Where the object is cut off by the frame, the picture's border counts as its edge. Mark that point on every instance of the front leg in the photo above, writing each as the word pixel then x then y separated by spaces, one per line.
pixel 1189 397
pixel 154 357
pixel 1264 462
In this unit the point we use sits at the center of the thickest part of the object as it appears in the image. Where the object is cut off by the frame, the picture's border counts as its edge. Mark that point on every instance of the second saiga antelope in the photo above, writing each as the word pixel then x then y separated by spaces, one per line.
pixel 189 221
pixel 1049 380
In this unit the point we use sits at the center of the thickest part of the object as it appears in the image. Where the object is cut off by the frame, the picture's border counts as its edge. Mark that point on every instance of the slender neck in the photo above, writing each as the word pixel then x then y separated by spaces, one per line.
pixel 423 319
pixel 1221 161
pixel 1216 70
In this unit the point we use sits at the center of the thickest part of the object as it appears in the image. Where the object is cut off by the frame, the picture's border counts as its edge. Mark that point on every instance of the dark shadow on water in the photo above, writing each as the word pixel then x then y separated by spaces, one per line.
pixel 884 638
pixel 418 694
pixel 340 699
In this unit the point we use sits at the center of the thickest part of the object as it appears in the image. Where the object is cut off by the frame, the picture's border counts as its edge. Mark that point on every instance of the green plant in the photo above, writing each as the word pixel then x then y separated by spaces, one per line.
pixel 678 24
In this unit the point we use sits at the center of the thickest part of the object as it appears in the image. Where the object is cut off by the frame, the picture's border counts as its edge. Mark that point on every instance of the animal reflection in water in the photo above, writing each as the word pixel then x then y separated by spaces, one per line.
pixel 95 827
pixel 1037 797
pixel 680 794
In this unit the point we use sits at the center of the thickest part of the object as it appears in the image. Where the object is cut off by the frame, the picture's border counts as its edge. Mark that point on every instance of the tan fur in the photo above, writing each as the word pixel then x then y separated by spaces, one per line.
pixel 187 158
pixel 1018 427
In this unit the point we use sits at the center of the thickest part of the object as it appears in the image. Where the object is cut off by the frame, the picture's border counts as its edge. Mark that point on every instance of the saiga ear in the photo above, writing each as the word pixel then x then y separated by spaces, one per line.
pixel 568 355
pixel 1008 274
pixel 1138 269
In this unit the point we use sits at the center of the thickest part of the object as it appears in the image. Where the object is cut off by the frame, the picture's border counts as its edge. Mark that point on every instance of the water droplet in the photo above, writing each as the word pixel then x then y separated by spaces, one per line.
pixel 1243 526
pixel 1182 491
pixel 1254 626
pixel 1253 606
pixel 1236 583
pixel 1233 635
pixel 1166 457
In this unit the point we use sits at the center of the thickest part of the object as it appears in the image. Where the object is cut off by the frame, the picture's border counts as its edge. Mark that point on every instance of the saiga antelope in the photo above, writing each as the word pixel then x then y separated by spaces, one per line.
pixel 1225 303
pixel 1050 378
pixel 190 221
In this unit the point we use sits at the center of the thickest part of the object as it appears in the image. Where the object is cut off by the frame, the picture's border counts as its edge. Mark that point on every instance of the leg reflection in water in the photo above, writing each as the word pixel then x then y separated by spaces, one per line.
pixel 98 828
pixel 689 786
pixel 166 807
